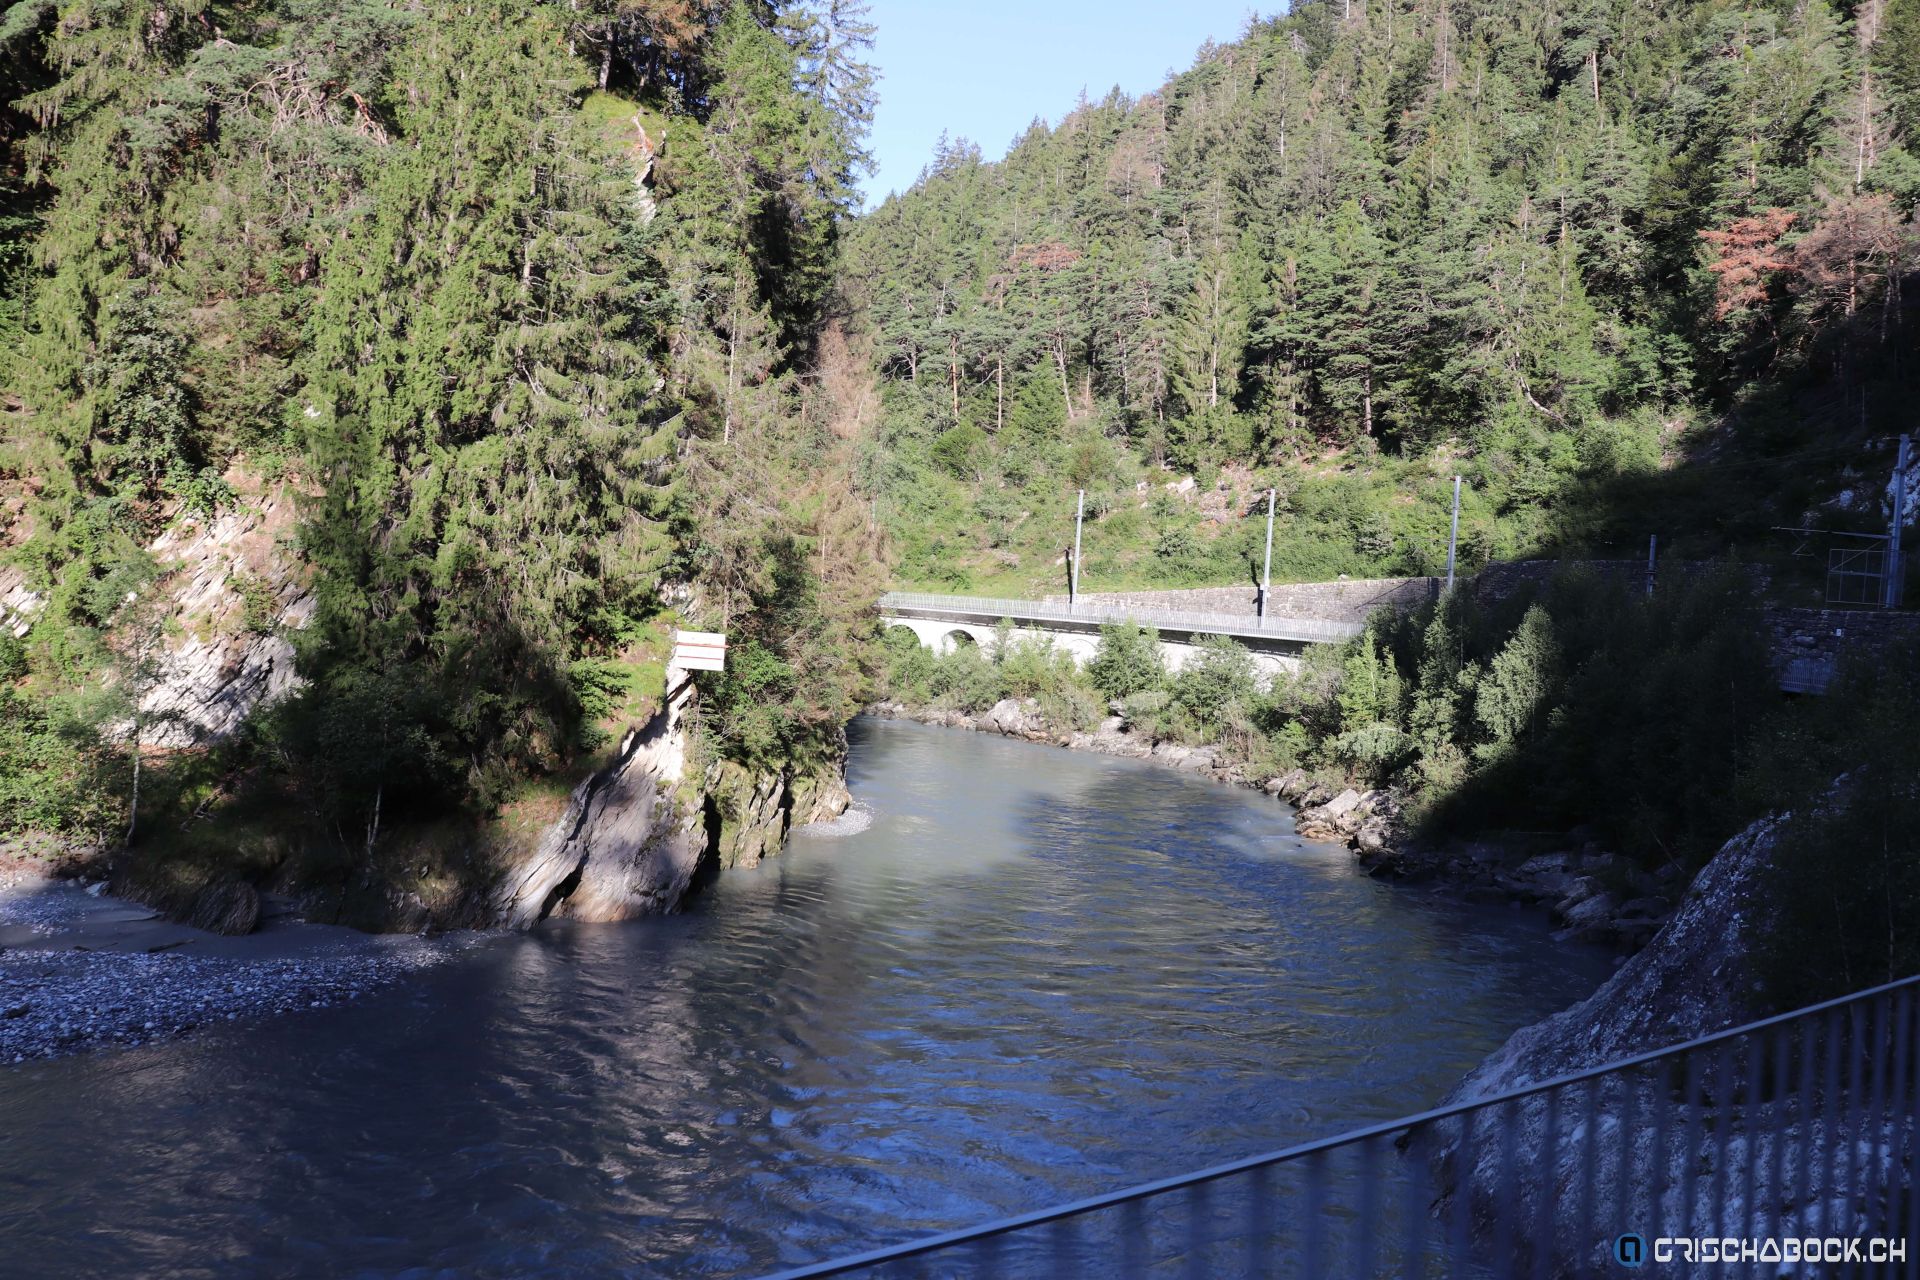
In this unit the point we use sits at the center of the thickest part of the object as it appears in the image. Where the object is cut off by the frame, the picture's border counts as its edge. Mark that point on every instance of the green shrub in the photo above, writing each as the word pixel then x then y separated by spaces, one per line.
pixel 1511 700
pixel 909 665
pixel 1127 660
pixel 1217 687
pixel 1072 706
pixel 1031 666
pixel 13 656
pixel 56 774
pixel 959 450
pixel 965 680
pixel 258 607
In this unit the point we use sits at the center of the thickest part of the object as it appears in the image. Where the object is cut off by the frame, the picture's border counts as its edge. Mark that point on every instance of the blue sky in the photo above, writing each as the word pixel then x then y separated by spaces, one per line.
pixel 982 69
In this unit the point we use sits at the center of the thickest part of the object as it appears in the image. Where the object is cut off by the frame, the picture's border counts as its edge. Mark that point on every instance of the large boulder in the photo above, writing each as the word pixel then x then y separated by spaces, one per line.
pixel 1201 758
pixel 226 906
pixel 1590 918
pixel 1344 803
pixel 1374 837
pixel 1337 818
pixel 1313 796
pixel 1007 717
pixel 1288 785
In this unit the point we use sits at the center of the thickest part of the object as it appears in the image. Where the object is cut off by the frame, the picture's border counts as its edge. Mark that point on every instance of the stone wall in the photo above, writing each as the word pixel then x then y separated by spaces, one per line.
pixel 1352 599
pixel 1808 644
pixel 1504 578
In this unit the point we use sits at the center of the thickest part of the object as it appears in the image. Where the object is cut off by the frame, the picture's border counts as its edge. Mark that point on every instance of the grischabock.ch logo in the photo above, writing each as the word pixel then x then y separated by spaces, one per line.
pixel 1633 1249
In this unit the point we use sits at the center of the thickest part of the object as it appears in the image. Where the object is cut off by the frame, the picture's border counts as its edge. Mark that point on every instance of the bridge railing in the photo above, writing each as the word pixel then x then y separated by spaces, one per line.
pixel 1794 1131
pixel 1312 630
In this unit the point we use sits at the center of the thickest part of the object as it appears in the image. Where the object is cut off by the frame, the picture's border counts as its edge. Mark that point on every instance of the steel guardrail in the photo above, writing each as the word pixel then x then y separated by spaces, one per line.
pixel 1847 1066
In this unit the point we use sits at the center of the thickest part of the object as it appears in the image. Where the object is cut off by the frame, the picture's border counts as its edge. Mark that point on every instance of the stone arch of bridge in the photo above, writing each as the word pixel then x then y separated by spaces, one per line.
pixel 942 636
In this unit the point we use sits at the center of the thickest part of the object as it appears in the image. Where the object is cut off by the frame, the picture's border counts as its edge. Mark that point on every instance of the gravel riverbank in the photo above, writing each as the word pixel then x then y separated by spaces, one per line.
pixel 82 971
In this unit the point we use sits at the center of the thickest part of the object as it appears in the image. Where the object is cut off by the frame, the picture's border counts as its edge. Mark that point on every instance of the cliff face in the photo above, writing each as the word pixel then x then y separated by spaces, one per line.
pixel 747 815
pixel 237 592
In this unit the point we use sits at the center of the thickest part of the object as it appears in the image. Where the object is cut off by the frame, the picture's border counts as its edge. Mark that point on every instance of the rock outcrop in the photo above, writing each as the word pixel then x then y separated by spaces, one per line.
pixel 636 836
pixel 1695 979
pixel 1340 817
pixel 227 906
pixel 19 604
pixel 237 591
pixel 748 815
pixel 623 848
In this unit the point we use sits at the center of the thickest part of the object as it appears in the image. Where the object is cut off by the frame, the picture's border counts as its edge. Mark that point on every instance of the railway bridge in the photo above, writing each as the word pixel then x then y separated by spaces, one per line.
pixel 942 622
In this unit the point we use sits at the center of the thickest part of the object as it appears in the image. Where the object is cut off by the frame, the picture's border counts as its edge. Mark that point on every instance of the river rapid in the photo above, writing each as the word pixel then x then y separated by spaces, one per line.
pixel 1012 975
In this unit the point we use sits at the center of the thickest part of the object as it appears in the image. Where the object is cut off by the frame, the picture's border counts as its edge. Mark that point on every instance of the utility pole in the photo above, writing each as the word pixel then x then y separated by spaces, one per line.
pixel 1453 533
pixel 1653 541
pixel 1266 574
pixel 1895 575
pixel 1073 581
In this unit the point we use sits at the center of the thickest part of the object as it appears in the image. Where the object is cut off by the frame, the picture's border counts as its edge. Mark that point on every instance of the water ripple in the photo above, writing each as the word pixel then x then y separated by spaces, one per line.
pixel 1010 975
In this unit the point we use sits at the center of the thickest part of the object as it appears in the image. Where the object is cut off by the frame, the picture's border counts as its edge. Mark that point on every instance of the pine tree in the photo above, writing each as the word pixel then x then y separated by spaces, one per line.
pixel 477 403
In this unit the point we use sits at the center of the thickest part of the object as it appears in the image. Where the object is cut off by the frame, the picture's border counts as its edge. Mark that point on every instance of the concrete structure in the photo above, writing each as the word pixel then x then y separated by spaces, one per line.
pixel 1342 600
pixel 1808 645
pixel 941 622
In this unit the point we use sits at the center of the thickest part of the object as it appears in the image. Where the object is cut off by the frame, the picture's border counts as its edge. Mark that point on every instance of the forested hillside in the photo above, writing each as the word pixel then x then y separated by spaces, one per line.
pixel 1560 249
pixel 523 304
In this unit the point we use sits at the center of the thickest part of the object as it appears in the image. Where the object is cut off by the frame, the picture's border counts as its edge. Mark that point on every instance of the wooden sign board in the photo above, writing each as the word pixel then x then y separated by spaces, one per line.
pixel 700 650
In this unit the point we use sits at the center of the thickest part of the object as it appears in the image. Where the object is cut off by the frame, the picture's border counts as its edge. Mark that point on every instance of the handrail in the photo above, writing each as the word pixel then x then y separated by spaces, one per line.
pixel 1146 1190
pixel 1310 629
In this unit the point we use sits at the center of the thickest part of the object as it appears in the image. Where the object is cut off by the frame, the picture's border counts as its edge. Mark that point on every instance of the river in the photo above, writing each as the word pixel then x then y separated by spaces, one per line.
pixel 1013 975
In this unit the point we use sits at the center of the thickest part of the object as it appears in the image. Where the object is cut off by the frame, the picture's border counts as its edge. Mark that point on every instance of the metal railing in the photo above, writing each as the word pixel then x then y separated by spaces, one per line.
pixel 990 610
pixel 1799 1126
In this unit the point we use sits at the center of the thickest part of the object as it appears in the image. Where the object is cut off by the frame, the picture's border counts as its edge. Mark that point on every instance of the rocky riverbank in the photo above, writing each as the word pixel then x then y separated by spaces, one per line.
pixel 82 971
pixel 1591 894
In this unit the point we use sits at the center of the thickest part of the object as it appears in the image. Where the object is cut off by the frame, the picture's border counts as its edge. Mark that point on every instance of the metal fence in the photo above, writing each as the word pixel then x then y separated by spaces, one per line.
pixel 1857 575
pixel 991 610
pixel 1798 1128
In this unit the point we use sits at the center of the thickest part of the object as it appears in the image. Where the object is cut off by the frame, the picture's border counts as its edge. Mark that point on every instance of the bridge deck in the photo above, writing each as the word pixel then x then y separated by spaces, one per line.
pixel 1087 617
